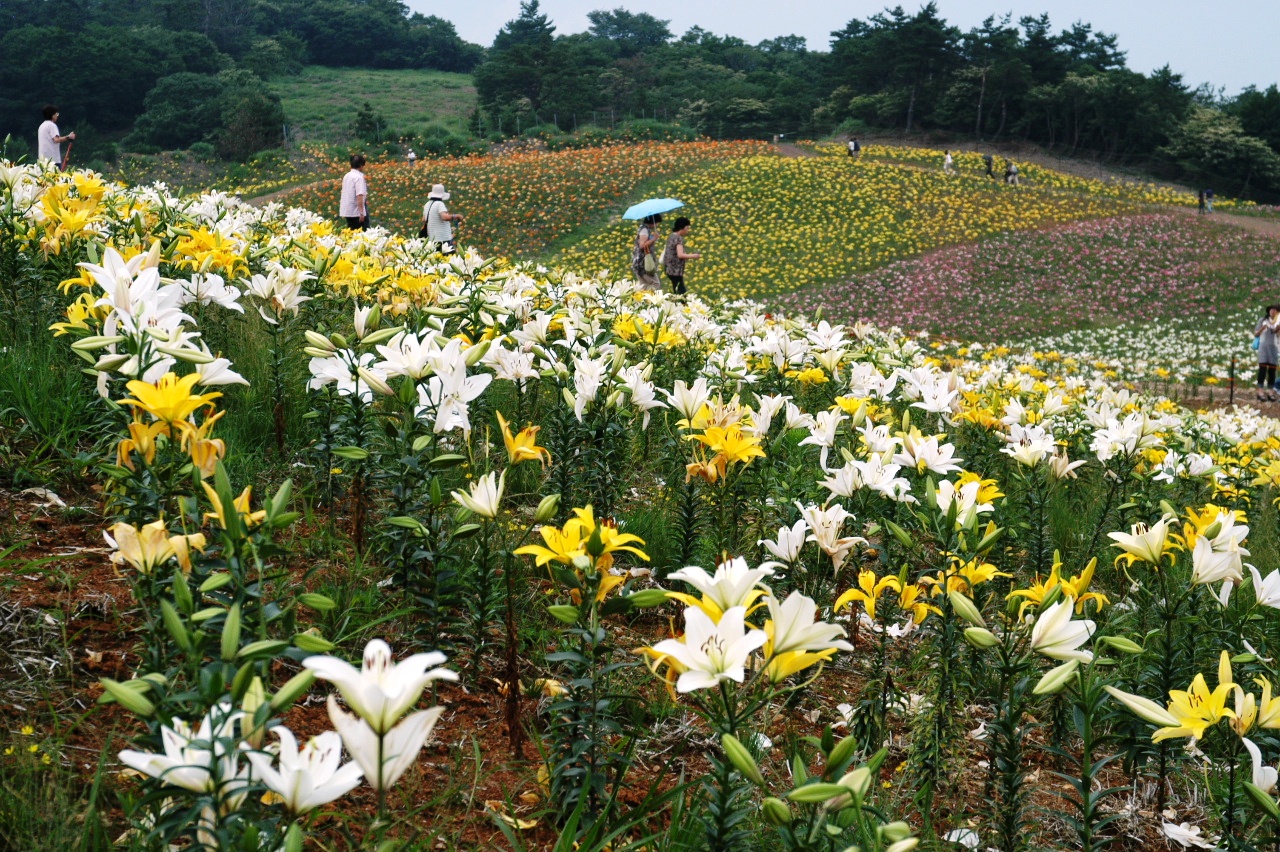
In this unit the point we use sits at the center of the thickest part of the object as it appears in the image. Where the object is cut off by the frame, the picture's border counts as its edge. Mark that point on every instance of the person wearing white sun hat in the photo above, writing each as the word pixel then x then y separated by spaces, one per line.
pixel 437 220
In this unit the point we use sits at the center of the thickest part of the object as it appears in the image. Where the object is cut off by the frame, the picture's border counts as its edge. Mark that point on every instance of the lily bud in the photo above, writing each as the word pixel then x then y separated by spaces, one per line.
pixel 1056 679
pixel 191 356
pixel 980 637
pixel 254 697
pixel 775 812
pixel 741 759
pixel 965 609
pixel 374 381
pixel 547 508
pixel 319 341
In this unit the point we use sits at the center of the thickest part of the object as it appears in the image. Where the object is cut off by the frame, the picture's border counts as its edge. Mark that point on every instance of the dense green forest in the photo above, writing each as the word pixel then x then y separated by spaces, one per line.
pixel 160 74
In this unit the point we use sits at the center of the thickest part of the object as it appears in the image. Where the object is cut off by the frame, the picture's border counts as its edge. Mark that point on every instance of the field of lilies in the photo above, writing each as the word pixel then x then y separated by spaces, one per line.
pixel 328 540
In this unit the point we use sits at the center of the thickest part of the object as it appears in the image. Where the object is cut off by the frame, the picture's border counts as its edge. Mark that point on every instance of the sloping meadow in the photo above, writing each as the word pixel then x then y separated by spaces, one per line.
pixel 866 580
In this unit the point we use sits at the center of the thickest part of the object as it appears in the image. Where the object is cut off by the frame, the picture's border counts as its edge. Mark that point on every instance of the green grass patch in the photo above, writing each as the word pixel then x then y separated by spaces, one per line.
pixel 320 103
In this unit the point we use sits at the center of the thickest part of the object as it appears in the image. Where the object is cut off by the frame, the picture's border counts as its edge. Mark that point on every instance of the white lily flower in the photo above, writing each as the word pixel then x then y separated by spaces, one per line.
pixel 383 757
pixel 485 497
pixel 1144 543
pixel 825 525
pixel 823 432
pixel 1264 777
pixel 382 690
pixel 1056 636
pixel 793 626
pixel 688 399
pixel 309 777
pixel 734 584
pixel 712 652
pixel 1209 565
pixel 790 541
pixel 1266 591
pixel 1187 835
pixel 203 761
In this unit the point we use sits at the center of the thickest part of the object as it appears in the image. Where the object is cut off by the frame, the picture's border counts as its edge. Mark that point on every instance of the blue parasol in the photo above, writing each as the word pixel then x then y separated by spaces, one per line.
pixel 650 207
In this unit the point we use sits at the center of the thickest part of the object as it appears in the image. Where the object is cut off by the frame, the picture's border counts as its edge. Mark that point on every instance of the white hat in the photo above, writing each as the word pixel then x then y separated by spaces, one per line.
pixel 437 191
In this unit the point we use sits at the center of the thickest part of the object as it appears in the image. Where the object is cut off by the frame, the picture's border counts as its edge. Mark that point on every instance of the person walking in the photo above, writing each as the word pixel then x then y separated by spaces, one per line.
pixel 412 158
pixel 674 255
pixel 948 164
pixel 644 262
pixel 353 204
pixel 1264 334
pixel 437 221
pixel 48 140
pixel 1200 203
pixel 989 161
pixel 1208 200
pixel 1010 173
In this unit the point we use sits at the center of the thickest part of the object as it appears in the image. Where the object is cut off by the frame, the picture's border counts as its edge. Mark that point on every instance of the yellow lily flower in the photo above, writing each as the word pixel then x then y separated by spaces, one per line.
pixel 784 665
pixel 988 489
pixel 151 546
pixel 1075 588
pixel 240 504
pixel 911 599
pixel 141 440
pixel 1268 708
pixel 561 544
pixel 1196 709
pixel 868 592
pixel 169 399
pixel 730 442
pixel 564 544
pixel 523 446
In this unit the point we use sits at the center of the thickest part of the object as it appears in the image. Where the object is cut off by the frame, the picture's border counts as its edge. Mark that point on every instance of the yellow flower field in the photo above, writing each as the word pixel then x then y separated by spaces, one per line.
pixel 768 225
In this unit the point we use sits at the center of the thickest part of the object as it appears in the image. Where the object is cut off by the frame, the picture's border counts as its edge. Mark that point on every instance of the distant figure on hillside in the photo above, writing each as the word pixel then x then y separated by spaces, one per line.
pixel 1010 173
pixel 48 142
pixel 948 164
pixel 1200 203
pixel 353 205
pixel 674 255
pixel 1265 340
pixel 644 261
pixel 855 148
pixel 412 158
pixel 989 161
pixel 437 220
pixel 1208 198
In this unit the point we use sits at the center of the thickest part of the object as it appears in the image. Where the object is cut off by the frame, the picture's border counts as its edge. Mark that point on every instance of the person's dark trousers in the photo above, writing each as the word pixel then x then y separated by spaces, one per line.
pixel 355 223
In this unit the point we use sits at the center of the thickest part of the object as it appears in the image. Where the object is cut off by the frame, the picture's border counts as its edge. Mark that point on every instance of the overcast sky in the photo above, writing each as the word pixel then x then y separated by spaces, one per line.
pixel 1229 43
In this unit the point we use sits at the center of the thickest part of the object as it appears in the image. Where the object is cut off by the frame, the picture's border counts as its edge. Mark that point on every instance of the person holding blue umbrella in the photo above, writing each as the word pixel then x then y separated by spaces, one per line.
pixel 644 259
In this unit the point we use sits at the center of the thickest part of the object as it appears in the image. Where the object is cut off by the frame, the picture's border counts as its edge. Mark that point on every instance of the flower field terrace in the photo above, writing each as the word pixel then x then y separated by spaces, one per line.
pixel 523 203
pixel 768 225
pixel 1033 175
pixel 1114 276
pixel 866 578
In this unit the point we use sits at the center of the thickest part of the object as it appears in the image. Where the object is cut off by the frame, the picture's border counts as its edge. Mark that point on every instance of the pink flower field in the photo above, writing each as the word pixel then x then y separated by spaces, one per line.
pixel 1025 284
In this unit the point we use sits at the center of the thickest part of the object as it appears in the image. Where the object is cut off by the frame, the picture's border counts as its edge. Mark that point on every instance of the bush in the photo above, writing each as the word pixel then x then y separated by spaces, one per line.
pixel 203 151
pixel 181 109
pixel 252 118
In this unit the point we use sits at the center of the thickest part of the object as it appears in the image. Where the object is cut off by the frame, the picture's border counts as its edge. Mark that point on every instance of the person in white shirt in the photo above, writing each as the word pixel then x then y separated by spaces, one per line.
pixel 49 143
pixel 353 205
pixel 436 219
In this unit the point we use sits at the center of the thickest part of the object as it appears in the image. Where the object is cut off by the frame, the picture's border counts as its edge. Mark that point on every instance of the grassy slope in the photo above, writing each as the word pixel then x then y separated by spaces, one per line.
pixel 322 102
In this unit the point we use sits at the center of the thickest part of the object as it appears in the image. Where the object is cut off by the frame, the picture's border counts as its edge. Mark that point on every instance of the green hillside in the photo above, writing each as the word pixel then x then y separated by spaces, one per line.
pixel 320 103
